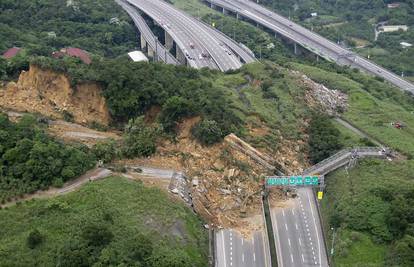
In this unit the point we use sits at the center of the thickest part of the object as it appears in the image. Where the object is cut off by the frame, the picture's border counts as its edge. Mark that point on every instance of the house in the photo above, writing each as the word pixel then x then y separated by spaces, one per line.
pixel 73 52
pixel 137 56
pixel 12 52
pixel 314 14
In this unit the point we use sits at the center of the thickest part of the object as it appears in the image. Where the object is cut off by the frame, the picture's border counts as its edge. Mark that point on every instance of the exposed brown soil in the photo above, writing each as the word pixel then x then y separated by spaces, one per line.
pixel 50 93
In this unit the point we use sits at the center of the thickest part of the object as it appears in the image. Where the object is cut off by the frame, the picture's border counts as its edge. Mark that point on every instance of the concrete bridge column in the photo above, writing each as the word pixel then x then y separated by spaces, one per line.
pixel 225 12
pixel 180 56
pixel 143 44
pixel 237 16
pixel 295 49
pixel 150 51
pixel 169 42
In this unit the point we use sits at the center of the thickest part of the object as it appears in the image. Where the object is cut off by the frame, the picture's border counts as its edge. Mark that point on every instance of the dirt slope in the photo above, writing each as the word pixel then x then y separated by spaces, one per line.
pixel 50 93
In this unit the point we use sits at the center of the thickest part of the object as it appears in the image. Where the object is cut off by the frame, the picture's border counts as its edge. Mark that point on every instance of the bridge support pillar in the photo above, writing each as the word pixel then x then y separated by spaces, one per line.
pixel 151 52
pixel 237 16
pixel 225 12
pixel 143 44
pixel 295 49
pixel 181 57
pixel 169 42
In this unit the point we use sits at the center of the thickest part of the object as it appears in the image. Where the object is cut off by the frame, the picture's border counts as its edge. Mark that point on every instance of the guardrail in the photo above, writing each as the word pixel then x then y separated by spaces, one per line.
pixel 269 231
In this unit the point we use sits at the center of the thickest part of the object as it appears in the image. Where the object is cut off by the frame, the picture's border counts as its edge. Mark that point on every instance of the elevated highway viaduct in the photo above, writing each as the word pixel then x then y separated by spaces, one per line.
pixel 197 44
pixel 306 38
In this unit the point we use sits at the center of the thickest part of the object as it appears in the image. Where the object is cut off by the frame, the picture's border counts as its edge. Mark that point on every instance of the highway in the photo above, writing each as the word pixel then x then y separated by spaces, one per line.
pixel 309 40
pixel 297 226
pixel 299 240
pixel 193 37
pixel 162 53
pixel 232 250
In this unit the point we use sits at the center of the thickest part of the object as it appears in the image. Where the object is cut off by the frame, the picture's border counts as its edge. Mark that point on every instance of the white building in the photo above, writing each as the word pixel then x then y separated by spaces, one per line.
pixel 393 28
pixel 137 56
pixel 405 44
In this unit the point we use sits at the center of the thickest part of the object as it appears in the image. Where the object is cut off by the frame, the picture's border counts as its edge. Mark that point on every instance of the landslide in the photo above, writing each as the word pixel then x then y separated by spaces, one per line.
pixel 51 94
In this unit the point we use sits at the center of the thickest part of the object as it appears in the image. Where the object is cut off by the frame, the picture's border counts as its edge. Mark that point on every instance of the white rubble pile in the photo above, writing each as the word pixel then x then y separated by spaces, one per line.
pixel 331 101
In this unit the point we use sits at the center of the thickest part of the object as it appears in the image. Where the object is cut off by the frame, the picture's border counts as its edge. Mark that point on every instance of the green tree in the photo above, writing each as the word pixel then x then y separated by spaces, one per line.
pixel 97 235
pixel 207 132
pixel 34 239
pixel 139 139
pixel 105 150
pixel 323 138
pixel 165 257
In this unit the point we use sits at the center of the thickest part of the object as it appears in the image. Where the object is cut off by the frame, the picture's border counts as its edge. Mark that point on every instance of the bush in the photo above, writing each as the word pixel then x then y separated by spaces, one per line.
pixel 323 138
pixel 105 150
pixel 207 132
pixel 139 139
pixel 34 239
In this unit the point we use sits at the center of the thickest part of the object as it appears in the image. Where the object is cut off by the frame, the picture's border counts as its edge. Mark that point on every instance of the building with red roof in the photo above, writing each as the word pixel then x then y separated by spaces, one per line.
pixel 12 52
pixel 74 52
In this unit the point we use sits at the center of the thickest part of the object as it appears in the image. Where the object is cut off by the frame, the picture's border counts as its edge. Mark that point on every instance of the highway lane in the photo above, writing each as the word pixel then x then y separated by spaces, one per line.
pixel 299 240
pixel 190 31
pixel 223 59
pixel 310 40
pixel 162 53
pixel 177 32
pixel 232 250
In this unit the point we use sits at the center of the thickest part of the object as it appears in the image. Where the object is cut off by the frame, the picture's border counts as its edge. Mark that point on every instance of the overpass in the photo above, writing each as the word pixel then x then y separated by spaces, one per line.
pixel 298 229
pixel 149 41
pixel 245 9
pixel 197 44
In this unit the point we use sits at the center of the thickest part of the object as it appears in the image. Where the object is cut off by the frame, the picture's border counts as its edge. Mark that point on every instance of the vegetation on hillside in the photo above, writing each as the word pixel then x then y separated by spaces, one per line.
pixel 324 138
pixel 113 222
pixel 45 26
pixel 371 208
pixel 31 160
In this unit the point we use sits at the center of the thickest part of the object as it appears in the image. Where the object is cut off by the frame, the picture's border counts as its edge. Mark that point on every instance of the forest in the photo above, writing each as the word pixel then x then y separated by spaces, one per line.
pixel 32 160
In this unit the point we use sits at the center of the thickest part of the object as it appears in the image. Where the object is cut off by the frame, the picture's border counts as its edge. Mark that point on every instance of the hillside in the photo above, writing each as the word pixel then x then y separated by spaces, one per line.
pixel 110 222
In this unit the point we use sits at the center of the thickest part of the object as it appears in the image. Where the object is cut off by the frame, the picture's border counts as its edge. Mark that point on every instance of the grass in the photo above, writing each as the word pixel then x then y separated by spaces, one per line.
pixel 357 250
pixel 133 208
pixel 369 112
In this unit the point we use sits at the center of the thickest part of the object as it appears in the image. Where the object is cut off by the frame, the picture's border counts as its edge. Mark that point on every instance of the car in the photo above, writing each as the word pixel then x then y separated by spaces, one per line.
pixel 191 45
pixel 200 57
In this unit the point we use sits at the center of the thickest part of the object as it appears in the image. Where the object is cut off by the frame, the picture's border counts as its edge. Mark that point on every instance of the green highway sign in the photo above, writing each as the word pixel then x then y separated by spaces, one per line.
pixel 293 180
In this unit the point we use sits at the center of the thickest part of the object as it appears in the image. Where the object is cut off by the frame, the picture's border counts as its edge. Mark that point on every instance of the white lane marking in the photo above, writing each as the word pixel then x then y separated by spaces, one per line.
pixel 296 225
pixel 242 241
pixel 300 242
pixel 224 249
pixel 289 242
pixel 293 211
pixel 254 256
pixel 291 257
pixel 303 258
pixel 317 234
pixel 286 227
pixel 243 257
pixel 283 212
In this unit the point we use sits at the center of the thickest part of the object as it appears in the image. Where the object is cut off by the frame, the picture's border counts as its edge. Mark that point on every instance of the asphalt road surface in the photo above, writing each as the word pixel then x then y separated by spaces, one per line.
pixel 191 36
pixel 298 236
pixel 232 250
pixel 143 28
pixel 310 40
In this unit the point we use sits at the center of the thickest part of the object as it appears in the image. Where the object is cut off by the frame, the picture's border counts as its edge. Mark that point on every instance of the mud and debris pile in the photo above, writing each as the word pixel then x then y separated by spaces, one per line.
pixel 330 101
